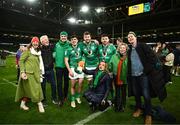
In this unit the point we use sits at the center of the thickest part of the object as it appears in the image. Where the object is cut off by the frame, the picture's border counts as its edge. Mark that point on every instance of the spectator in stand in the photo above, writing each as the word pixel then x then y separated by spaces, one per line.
pixel 31 69
pixel 47 56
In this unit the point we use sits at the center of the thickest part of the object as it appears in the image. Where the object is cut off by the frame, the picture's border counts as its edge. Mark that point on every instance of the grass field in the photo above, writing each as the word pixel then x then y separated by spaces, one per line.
pixel 11 114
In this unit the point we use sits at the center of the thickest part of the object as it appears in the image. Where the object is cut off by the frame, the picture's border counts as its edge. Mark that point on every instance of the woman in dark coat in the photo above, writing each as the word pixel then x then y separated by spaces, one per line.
pixel 99 88
pixel 145 77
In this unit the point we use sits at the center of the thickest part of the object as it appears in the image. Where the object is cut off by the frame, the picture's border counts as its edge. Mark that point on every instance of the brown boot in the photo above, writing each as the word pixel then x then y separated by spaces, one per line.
pixel 137 113
pixel 148 120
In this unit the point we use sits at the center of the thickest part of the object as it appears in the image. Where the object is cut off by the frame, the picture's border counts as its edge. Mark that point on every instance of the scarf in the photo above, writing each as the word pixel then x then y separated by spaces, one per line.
pixel 41 64
pixel 121 74
pixel 97 78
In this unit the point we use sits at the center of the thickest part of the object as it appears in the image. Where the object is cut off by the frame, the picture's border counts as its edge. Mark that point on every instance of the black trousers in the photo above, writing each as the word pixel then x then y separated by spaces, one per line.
pixel 120 95
pixel 167 73
pixel 62 75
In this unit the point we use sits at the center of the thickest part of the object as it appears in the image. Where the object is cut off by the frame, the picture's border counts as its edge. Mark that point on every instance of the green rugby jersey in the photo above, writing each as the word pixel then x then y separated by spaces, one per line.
pixel 106 52
pixel 74 54
pixel 90 53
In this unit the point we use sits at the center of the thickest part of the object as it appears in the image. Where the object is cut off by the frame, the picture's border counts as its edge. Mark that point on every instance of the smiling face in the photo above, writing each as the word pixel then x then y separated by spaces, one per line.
pixel 102 66
pixel 105 40
pixel 74 41
pixel 87 38
pixel 63 38
pixel 35 45
pixel 132 39
pixel 123 49
pixel 45 41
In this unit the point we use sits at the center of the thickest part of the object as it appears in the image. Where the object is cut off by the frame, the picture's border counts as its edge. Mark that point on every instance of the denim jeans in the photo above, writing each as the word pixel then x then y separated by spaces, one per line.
pixel 49 77
pixel 62 74
pixel 141 87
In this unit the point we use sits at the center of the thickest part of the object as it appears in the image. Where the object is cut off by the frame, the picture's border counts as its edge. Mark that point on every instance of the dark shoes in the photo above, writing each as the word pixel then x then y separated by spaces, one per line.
pixel 93 108
pixel 60 103
pixel 119 109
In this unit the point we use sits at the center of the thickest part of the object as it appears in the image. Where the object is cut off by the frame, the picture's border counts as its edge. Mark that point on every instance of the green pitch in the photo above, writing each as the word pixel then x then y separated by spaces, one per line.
pixel 10 112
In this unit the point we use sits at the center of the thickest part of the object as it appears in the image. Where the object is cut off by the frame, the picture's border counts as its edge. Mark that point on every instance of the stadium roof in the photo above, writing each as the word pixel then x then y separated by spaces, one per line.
pixel 19 17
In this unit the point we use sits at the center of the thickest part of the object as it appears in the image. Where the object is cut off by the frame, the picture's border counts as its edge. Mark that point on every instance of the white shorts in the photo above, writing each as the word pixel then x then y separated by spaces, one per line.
pixel 76 75
pixel 89 76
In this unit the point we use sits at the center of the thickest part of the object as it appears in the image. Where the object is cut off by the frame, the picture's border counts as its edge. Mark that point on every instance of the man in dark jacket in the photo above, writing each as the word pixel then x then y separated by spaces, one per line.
pixel 47 56
pixel 144 77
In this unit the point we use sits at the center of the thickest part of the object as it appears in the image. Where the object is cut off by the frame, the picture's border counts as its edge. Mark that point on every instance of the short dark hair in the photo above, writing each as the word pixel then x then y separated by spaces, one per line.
pixel 104 35
pixel 74 36
pixel 87 33
pixel 119 39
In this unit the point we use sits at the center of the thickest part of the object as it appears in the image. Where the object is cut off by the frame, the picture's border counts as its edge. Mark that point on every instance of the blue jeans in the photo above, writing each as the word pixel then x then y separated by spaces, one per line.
pixel 140 87
pixel 49 76
pixel 62 74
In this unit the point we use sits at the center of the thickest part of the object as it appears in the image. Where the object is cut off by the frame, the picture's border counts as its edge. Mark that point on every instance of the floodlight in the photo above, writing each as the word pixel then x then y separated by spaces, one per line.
pixel 84 9
pixel 72 20
pixel 31 1
pixel 99 10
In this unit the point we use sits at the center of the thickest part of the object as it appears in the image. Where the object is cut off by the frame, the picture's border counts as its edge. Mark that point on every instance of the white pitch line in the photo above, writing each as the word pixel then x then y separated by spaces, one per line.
pixel 12 83
pixel 91 117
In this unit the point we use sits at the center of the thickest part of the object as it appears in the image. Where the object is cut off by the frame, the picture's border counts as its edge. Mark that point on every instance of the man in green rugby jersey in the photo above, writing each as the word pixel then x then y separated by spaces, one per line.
pixel 90 53
pixel 106 50
pixel 73 58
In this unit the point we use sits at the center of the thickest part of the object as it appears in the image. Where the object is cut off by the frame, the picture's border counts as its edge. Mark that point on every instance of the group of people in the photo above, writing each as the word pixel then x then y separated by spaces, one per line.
pixel 169 58
pixel 106 68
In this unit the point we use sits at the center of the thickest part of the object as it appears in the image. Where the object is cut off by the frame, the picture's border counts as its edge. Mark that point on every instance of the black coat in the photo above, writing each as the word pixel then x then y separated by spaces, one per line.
pixel 47 56
pixel 155 76
pixel 101 91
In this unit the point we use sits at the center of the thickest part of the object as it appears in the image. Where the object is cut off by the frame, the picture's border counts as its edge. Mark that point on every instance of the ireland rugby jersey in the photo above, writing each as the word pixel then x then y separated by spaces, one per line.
pixel 74 54
pixel 90 53
pixel 106 52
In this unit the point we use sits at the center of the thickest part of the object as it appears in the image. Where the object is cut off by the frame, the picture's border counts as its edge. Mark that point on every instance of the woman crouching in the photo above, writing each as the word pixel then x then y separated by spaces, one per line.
pixel 97 94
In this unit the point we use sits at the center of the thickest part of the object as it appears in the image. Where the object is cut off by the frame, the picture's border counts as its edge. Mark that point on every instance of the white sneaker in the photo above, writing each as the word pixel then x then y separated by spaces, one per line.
pixel 40 107
pixel 23 106
pixel 73 104
pixel 78 100
pixel 54 102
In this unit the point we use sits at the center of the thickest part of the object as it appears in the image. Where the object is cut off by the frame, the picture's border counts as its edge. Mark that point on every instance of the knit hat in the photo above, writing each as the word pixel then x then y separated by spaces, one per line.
pixel 64 33
pixel 133 33
pixel 35 40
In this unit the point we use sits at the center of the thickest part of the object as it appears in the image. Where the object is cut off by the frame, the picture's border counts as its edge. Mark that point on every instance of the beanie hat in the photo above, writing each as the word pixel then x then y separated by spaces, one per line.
pixel 133 33
pixel 35 40
pixel 64 33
